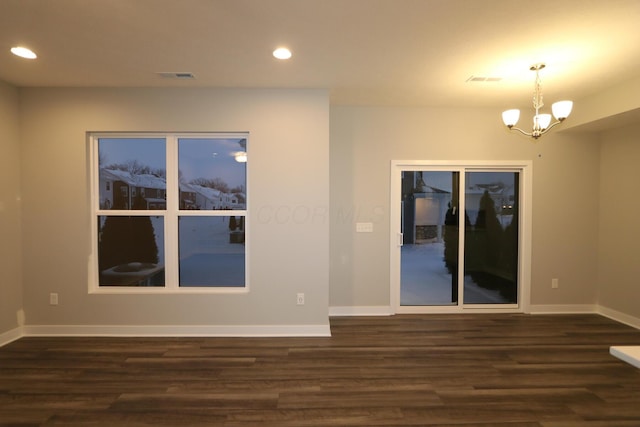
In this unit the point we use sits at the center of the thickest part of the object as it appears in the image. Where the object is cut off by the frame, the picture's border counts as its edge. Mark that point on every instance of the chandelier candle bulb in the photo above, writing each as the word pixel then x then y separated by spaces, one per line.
pixel 562 109
pixel 542 121
pixel 511 117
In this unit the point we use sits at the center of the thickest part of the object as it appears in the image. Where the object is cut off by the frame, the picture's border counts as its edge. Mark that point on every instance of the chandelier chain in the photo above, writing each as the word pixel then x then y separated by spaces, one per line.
pixel 537 93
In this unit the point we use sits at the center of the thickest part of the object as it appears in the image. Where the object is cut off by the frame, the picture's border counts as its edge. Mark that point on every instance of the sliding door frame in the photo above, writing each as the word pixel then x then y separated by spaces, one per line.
pixel 525 168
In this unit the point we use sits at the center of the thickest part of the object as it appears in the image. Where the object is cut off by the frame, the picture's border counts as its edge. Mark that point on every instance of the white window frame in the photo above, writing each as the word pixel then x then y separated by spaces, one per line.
pixel 170 215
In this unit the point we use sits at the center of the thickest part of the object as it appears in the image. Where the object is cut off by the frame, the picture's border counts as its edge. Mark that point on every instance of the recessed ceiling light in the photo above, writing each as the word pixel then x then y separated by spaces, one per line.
pixel 282 53
pixel 23 52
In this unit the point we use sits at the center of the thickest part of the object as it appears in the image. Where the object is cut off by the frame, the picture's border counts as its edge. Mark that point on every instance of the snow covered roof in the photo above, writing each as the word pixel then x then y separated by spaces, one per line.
pixel 140 181
pixel 209 193
pixel 152 181
pixel 437 190
pixel 187 188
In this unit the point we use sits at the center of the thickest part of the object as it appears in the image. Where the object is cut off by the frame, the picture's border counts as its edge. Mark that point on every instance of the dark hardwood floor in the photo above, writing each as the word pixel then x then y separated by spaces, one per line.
pixel 418 370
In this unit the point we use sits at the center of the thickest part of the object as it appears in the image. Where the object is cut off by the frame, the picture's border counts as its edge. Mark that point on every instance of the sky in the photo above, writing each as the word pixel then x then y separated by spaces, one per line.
pixel 211 158
pixel 198 157
pixel 442 180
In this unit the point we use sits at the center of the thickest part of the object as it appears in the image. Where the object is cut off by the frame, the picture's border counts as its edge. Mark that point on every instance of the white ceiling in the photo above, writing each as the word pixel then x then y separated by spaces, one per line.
pixel 366 52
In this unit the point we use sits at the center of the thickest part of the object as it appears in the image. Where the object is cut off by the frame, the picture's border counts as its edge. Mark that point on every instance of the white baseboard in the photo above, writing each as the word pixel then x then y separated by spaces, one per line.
pixel 563 309
pixel 12 335
pixel 322 330
pixel 533 309
pixel 619 317
pixel 360 311
pixel 587 309
pixel 179 331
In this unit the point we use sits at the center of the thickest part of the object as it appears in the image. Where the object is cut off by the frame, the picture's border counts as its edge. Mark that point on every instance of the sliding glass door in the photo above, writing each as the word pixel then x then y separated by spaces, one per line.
pixel 491 238
pixel 456 238
pixel 429 253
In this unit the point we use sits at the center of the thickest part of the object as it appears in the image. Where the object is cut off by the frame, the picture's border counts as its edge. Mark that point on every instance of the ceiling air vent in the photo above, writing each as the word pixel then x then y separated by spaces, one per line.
pixel 483 79
pixel 177 75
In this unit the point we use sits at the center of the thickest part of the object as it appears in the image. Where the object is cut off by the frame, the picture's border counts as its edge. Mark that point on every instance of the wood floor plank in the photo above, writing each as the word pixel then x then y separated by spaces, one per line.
pixel 501 370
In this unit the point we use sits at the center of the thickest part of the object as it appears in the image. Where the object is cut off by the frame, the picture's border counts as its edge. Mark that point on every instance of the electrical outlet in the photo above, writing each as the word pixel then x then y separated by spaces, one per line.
pixel 554 284
pixel 300 299
pixel 53 299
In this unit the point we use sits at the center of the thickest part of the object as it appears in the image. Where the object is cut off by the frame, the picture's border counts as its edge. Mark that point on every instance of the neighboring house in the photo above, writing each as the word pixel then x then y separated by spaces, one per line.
pixel 122 190
pixel 426 207
pixel 430 210
pixel 502 196
pixel 207 198
pixel 239 201
pixel 188 197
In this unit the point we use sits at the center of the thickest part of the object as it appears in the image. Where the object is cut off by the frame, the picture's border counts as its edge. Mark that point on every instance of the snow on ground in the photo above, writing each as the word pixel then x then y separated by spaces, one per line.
pixel 426 281
pixel 206 256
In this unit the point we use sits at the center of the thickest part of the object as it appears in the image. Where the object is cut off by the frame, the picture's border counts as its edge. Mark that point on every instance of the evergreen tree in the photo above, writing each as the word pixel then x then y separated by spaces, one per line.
pixel 450 238
pixel 125 239
pixel 488 226
pixel 484 244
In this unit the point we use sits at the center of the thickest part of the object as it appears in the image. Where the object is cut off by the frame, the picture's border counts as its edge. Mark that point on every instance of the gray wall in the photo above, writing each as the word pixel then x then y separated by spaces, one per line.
pixel 308 188
pixel 565 206
pixel 10 246
pixel 619 224
pixel 288 172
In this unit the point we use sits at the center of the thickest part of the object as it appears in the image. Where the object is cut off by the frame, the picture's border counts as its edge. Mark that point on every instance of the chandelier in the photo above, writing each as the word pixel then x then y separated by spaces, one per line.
pixel 541 122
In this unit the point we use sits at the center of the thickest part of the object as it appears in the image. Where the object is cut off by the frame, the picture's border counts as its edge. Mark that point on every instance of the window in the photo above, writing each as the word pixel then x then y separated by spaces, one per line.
pixel 169 212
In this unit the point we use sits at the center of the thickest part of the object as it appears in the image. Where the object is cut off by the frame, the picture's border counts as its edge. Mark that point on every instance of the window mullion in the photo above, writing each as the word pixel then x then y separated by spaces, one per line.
pixel 171 218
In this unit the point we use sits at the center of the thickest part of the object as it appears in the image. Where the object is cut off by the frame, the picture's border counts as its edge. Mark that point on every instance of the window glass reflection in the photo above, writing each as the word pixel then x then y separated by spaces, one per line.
pixel 132 173
pixel 212 173
pixel 429 260
pixel 131 250
pixel 212 251
pixel 491 238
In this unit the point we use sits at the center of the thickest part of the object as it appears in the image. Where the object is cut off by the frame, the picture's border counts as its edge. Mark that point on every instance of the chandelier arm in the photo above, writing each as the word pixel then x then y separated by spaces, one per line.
pixel 557 122
pixel 521 131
